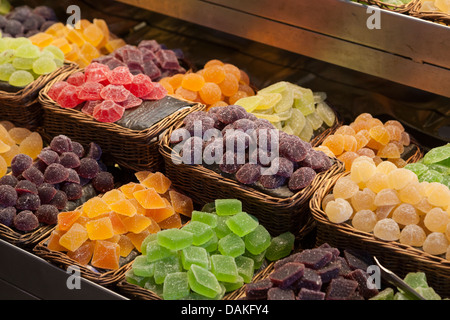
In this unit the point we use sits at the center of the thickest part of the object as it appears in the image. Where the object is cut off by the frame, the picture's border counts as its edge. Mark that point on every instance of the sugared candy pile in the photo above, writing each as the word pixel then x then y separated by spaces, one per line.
pixel 111 226
pixel 105 94
pixel 322 273
pixel 15 140
pixel 217 84
pixel 368 136
pixel 36 191
pixel 291 108
pixel 216 252
pixel 87 41
pixel 148 57
pixel 392 204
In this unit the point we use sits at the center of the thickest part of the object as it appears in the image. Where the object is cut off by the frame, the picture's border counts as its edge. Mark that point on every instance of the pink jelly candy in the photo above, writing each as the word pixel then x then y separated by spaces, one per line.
pixel 96 72
pixel 108 111
pixel 56 88
pixel 116 93
pixel 157 93
pixel 90 91
pixel 89 106
pixel 76 79
pixel 141 85
pixel 120 75
pixel 68 98
pixel 131 102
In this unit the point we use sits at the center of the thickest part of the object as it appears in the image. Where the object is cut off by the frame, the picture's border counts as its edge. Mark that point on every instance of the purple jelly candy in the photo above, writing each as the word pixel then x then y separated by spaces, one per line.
pixel 56 173
pixel 69 160
pixel 7 216
pixel 293 148
pixel 49 156
pixel 88 168
pixel 231 114
pixel 34 175
pixel 8 196
pixel 9 180
pixel 26 221
pixel 287 274
pixel 197 115
pixel 46 192
pixel 151 70
pixel 199 126
pixel 263 124
pixel 272 181
pixel 301 178
pixel 248 173
pixel 357 259
pixel 285 166
pixel 59 200
pixel 192 151
pixel 362 278
pixel 73 176
pixel 310 280
pixel 72 190
pixel 20 163
pixel 103 182
pixel 314 258
pixel 78 149
pixel 167 59
pixel 26 186
pixel 283 261
pixel 280 294
pixel 152 45
pixel 230 162
pixel 330 271
pixel 47 214
pixel 245 125
pixel 341 289
pixel 258 289
pixel 95 151
pixel 28 201
pixel 61 144
pixel 306 294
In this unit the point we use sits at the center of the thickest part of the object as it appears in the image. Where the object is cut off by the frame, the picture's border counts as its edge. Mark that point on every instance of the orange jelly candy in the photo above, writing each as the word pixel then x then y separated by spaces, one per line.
pixel 117 223
pixel 157 181
pixel 124 207
pixel 126 246
pixel 335 143
pixel 210 93
pixel 174 221
pixel 193 81
pixel 130 188
pixel 100 229
pixel 136 223
pixel 106 255
pixel 380 134
pixel 230 85
pixel 53 241
pixel 142 175
pixel 138 238
pixel 149 199
pixel 181 203
pixel 161 214
pixel 113 196
pixel 67 219
pixel 215 73
pixel 95 207
pixel 83 254
pixel 74 237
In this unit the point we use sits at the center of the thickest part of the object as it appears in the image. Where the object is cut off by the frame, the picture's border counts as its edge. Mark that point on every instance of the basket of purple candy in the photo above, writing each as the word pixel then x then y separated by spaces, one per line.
pixel 274 174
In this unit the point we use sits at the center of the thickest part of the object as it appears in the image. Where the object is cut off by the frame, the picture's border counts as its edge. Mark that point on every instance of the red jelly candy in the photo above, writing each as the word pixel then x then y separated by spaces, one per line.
pixel 131 102
pixel 90 91
pixel 68 97
pixel 116 93
pixel 108 111
pixel 56 88
pixel 89 106
pixel 96 72
pixel 76 79
pixel 120 75
pixel 141 85
pixel 157 93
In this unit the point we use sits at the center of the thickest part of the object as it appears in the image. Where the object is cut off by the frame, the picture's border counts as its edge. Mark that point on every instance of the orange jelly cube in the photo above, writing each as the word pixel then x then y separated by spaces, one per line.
pixel 117 223
pixel 95 207
pixel 136 223
pixel 153 227
pixel 114 44
pixel 142 175
pixel 115 238
pixel 129 188
pixel 161 214
pixel 157 181
pixel 100 229
pixel 82 61
pixel 42 39
pixel 93 34
pixel 105 30
pixel 82 24
pixel 137 238
pixel 140 209
pixel 149 199
pixel 181 203
pixel 62 44
pixel 67 219
pixel 83 254
pixel 174 221
pixel 106 255
pixel 124 207
pixel 126 246
pixel 89 51
pixel 73 54
pixel 113 195
pixel 53 241
pixel 76 37
pixel 74 237
pixel 54 28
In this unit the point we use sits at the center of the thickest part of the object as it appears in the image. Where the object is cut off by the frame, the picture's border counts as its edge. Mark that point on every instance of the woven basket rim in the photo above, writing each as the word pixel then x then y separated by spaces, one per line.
pixel 404 8
pixel 428 15
pixel 25 239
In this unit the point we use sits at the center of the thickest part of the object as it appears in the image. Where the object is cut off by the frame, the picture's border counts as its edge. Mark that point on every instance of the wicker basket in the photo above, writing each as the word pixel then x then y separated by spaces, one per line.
pixel 25 240
pixel 22 107
pixel 404 9
pixel 397 257
pixel 435 16
pixel 132 149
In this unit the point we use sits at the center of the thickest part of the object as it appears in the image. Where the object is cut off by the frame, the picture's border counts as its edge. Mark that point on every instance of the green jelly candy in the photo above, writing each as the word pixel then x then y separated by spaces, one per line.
pixel 28 51
pixel 438 167
pixel 428 293
pixel 176 286
pixel 227 207
pixel 166 266
pixel 296 122
pixel 431 176
pixel 132 278
pixel 194 255
pixel 222 228
pixel 314 120
pixel 417 168
pixel 242 224
pixel 201 232
pixel 20 78
pixel 258 240
pixel 6 70
pixel 203 282
pixel 327 114
pixel 277 87
pixel 307 133
pixel 231 245
pixel 154 287
pixel 205 217
pixel 151 237
pixel 211 245
pixel 57 52
pixel 245 267
pixel 232 286
pixel 437 154
pixel 258 259
pixel 174 239
pixel 280 246
pixel 141 267
pixel 23 63
pixel 224 268
pixel 401 296
pixel 59 63
pixel 416 280
pixel 286 102
pixel 209 207
pixel 7 56
pixel 44 65
pixel 446 180
pixel 157 252
pixel 386 294
pixel 304 100
pixel 15 43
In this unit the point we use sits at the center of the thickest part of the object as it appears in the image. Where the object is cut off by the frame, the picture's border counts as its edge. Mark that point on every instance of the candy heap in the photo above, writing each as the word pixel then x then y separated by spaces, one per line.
pixel 15 140
pixel 111 226
pixel 35 192
pixel 103 93
pixel 148 57
pixel 294 165
pixel 291 108
pixel 322 273
pixel 24 21
pixel 434 166
pixel 217 84
pixel 216 252
pixel 87 41
pixel 393 204
pixel 434 6
pixel 21 62
pixel 368 136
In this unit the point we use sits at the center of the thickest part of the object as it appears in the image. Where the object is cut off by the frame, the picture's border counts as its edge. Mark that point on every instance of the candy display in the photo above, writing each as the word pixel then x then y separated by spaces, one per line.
pixel 291 108
pixel 217 252
pixel 435 6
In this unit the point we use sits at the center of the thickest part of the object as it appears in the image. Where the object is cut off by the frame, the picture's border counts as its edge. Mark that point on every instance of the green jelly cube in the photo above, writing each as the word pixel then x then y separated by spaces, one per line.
pixel 174 239
pixel 209 207
pixel 151 237
pixel 258 259
pixel 157 252
pixel 232 286
pixel 154 287
pixel 176 286
pixel 194 255
pixel 386 294
pixel 201 232
pixel 211 245
pixel 416 280
pixel 228 207
pixel 231 245
pixel 280 246
pixel 242 224
pixel 258 240
pixel 245 267
pixel 141 267
pixel 205 217
pixel 401 296
pixel 132 278
pixel 222 228
pixel 224 268
pixel 428 293
pixel 203 282
pixel 166 266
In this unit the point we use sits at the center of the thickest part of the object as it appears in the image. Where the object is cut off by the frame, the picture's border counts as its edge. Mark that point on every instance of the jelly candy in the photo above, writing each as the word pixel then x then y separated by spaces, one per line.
pixel 339 210
pixel 364 220
pixel 228 206
pixel 435 243
pixel 203 281
pixel 241 224
pixel 280 246
pixel 106 255
pixel 412 235
pixel 175 239
pixel 387 229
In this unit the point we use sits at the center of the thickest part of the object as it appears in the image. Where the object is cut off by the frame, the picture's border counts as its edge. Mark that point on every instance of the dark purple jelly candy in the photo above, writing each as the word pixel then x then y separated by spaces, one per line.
pixel 46 192
pixel 283 261
pixel 280 294
pixel 293 148
pixel 34 175
pixel 236 140
pixel 49 156
pixel 341 289
pixel 301 178
pixel 199 126
pixel 40 165
pixel 248 173
pixel 8 196
pixel 7 216
pixel 61 144
pixel 245 125
pixel 287 274
pixel 306 294
pixel 344 267
pixel 310 280
pixel 55 173
pixel 267 139
pixel 263 124
pixel 25 186
pixel 28 201
pixel 9 180
pixel 59 200
pixel 73 176
pixel 231 114
pixel 213 150
pixel 103 182
pixel 73 191
pixel 317 160
pixel 20 163
pixel 178 135
pixel 88 168
pixel 314 258
pixel 47 214
pixel 357 259
pixel 362 278
pixel 197 115
pixel 261 157
pixel 330 271
pixel 285 167
pixel 272 181
pixel 69 160
pixel 230 162
pixel 95 151
pixel 258 290
pixel 192 151
pixel 25 221
pixel 78 149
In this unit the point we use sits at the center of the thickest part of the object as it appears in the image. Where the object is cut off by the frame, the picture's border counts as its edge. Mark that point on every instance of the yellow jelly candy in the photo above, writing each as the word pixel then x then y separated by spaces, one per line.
pixel 74 237
pixel 123 207
pixel 32 145
pixel 149 199
pixel 157 181
pixel 95 207
pixel 136 223
pixel 113 196
pixel 67 219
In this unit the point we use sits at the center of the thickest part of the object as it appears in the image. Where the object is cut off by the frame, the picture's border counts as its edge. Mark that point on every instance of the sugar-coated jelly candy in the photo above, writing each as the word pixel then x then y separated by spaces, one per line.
pixel 195 255
pixel 338 210
pixel 224 268
pixel 387 229
pixel 280 246
pixel 201 232
pixel 106 255
pixel 74 237
pixel 242 224
pixel 228 206
pixel 175 239
pixel 345 188
pixel 176 286
pixel 231 245
pixel 436 220
pixel 364 220
pixel 435 243
pixel 412 235
pixel 203 281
